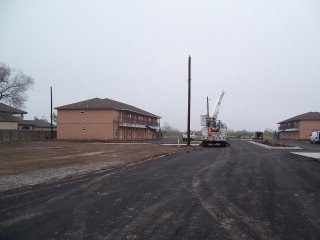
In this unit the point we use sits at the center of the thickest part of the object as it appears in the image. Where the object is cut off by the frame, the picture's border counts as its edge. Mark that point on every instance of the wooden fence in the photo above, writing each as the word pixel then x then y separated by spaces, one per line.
pixel 25 135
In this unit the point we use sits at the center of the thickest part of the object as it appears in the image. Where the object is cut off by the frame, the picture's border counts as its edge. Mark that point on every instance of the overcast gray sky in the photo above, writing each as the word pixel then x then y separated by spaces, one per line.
pixel 265 54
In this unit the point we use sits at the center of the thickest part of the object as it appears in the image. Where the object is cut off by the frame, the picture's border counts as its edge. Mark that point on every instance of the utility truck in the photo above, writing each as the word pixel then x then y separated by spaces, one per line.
pixel 214 131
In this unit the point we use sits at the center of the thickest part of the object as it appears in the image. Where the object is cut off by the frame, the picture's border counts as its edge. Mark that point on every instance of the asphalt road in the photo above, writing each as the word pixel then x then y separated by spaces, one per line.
pixel 239 192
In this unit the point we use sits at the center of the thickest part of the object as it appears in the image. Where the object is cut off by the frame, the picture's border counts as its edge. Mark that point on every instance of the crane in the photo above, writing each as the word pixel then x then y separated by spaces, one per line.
pixel 216 109
pixel 214 131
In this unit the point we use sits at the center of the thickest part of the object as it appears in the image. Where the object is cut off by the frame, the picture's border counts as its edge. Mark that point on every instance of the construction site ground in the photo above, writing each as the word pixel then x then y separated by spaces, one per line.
pixel 245 191
pixel 25 164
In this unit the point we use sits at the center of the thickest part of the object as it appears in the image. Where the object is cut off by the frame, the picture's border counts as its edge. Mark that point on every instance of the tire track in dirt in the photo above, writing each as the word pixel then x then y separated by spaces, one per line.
pixel 86 188
pixel 40 209
pixel 209 188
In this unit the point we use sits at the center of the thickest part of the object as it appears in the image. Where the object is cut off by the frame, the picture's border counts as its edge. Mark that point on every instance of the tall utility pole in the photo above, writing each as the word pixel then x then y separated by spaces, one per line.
pixel 189 100
pixel 51 116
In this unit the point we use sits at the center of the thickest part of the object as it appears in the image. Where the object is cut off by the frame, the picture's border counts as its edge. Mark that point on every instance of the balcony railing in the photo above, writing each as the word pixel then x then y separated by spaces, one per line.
pixel 136 123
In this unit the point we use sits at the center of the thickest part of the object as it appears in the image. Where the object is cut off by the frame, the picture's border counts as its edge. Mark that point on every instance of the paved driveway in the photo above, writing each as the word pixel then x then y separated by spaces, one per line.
pixel 240 192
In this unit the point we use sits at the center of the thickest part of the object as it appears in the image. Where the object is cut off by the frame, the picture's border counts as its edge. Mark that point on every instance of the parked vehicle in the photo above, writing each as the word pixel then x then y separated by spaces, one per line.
pixel 258 136
pixel 315 137
pixel 214 131
pixel 193 136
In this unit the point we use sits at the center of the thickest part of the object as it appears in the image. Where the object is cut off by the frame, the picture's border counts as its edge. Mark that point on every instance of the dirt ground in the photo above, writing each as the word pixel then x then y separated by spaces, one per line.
pixel 31 163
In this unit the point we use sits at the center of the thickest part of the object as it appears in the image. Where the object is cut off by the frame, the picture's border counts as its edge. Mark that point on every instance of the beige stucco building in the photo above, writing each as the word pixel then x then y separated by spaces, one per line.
pixel 10 117
pixel 106 119
pixel 13 119
pixel 299 127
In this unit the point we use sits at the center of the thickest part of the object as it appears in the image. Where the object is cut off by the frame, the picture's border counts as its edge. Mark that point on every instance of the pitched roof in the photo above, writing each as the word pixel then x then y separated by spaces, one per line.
pixel 306 117
pixel 104 104
pixel 37 123
pixel 11 110
pixel 8 118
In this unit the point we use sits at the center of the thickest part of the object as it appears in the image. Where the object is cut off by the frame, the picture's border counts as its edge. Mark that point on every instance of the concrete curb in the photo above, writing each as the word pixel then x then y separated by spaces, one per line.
pixel 272 147
pixel 315 155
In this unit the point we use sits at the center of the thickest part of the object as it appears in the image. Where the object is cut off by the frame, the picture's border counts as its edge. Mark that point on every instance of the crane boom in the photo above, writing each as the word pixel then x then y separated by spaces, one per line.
pixel 216 108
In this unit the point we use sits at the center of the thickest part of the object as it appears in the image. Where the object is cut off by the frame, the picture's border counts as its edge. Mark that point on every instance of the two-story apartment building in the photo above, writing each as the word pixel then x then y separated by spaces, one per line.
pixel 299 127
pixel 106 119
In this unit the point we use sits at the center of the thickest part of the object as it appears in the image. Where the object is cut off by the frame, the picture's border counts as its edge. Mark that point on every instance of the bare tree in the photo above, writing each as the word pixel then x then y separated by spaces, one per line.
pixel 167 128
pixel 13 86
pixel 54 118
